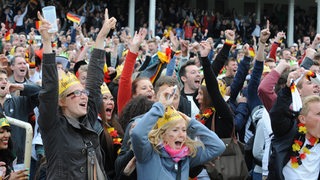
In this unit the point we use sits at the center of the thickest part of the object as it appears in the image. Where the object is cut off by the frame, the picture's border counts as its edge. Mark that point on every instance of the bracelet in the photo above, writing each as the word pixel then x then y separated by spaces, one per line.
pixel 229 42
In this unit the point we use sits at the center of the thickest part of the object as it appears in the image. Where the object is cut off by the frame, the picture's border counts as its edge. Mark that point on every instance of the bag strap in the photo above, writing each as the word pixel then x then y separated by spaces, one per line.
pixel 94 170
pixel 179 171
pixel 233 133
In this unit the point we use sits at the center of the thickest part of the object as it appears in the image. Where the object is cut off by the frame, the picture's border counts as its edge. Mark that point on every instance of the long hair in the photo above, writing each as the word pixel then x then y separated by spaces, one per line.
pixel 156 134
pixel 6 155
pixel 206 101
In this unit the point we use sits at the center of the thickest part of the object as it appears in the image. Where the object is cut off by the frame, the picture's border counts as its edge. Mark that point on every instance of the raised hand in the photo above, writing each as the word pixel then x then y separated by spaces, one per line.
pixel 316 41
pixel 175 42
pixel 246 50
pixel 166 96
pixel 106 27
pixel 43 30
pixel 282 66
pixel 137 40
pixel 310 52
pixel 265 34
pixel 230 35
pixel 205 48
pixel 294 75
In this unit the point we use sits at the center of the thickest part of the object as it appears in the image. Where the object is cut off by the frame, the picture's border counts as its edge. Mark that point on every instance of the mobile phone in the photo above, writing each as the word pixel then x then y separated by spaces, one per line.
pixel 175 87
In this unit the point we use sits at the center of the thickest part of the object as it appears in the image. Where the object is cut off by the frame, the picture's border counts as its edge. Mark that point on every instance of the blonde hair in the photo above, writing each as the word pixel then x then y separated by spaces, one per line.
pixel 155 137
pixel 306 103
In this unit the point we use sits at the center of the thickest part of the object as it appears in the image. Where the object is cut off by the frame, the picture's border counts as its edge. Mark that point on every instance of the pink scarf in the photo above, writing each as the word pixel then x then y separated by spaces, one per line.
pixel 176 155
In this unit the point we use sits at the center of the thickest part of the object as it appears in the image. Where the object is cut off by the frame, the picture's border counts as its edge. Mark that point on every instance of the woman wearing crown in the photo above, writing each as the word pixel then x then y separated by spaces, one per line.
pixel 68 112
pixel 162 145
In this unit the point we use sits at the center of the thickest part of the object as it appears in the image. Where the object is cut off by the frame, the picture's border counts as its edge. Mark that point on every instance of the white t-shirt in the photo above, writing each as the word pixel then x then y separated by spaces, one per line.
pixel 308 170
pixel 194 108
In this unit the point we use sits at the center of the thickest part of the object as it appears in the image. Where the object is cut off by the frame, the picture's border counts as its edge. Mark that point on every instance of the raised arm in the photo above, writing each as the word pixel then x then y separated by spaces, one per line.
pixel 266 89
pixel 95 69
pixel 142 148
pixel 253 99
pixel 222 109
pixel 275 45
pixel 280 114
pixel 48 96
pixel 223 55
pixel 125 83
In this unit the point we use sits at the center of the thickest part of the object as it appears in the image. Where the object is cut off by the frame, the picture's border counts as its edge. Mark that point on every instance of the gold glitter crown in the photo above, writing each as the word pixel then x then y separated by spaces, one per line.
pixel 67 80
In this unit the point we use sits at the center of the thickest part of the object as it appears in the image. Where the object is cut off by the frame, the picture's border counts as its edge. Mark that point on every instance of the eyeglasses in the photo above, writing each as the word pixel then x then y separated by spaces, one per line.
pixel 78 93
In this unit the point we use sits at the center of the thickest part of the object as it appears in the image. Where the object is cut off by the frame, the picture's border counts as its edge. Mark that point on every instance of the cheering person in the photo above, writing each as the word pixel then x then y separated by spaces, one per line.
pixel 162 145
pixel 68 112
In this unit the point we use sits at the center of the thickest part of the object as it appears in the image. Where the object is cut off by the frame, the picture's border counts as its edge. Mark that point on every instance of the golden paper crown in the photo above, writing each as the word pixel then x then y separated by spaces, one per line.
pixel 4 122
pixel 67 80
pixel 119 70
pixel 170 115
pixel 104 89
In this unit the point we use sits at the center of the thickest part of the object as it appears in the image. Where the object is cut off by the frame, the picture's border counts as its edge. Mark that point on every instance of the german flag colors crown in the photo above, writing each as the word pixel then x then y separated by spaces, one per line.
pixel 67 80
pixel 170 115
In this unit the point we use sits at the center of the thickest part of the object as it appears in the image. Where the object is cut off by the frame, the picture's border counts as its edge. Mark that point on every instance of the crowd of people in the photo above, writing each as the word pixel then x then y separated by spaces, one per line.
pixel 105 104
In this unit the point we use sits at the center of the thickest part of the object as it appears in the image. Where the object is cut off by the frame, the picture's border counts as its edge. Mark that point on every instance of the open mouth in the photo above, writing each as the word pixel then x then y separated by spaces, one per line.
pixel 5 142
pixel 108 110
pixel 178 144
pixel 2 88
pixel 83 104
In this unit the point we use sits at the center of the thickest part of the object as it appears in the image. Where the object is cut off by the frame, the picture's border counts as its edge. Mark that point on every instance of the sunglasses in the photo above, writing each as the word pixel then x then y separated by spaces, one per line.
pixel 78 93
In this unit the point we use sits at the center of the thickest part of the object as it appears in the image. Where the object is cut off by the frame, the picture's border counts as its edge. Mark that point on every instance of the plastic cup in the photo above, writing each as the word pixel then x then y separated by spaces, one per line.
pixel 18 167
pixel 49 14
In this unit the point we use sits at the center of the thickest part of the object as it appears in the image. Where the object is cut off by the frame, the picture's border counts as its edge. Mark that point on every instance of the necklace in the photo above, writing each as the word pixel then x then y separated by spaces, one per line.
pixel 205 115
pixel 297 156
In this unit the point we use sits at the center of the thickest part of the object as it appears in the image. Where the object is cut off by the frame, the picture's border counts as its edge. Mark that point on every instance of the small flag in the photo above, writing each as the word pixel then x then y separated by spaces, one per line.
pixel 73 17
pixel 38 24
pixel 7 36
pixel 251 52
pixel 313 77
pixel 296 99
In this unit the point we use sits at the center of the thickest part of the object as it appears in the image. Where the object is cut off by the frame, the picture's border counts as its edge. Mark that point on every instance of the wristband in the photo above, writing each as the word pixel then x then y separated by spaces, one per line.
pixel 229 42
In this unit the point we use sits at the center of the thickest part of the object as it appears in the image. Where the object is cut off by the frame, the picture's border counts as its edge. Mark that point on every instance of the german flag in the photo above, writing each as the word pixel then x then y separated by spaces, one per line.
pixel 296 99
pixel 251 52
pixel 38 24
pixel 73 17
pixel 7 36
